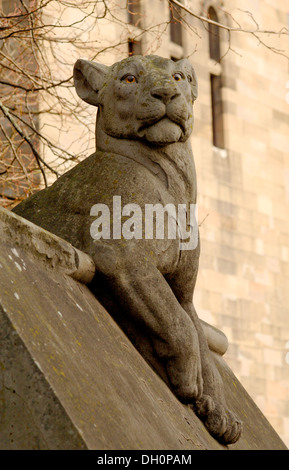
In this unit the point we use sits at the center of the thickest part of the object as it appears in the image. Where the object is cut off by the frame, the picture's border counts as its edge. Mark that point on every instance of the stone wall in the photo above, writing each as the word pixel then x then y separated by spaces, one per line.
pixel 244 198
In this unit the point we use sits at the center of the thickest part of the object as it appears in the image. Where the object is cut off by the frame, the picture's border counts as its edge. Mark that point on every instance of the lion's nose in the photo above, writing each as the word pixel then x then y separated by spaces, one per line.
pixel 164 93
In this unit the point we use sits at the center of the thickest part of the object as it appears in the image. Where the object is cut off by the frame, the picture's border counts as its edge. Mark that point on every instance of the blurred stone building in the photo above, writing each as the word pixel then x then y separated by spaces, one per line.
pixel 241 147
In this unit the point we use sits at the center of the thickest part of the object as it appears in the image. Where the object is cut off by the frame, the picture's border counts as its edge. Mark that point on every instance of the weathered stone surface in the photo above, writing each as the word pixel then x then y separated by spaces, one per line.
pixel 70 378
pixel 145 281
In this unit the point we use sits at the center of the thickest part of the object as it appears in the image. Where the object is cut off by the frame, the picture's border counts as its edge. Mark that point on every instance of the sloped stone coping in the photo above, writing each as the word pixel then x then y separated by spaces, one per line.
pixel 53 251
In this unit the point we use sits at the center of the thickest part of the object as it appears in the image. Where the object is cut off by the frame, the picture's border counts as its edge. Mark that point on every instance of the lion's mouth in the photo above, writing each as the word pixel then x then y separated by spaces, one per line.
pixel 163 124
pixel 162 131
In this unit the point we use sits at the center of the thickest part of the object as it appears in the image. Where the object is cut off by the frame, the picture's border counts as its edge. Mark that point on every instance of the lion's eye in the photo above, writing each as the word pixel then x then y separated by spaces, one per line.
pixel 129 78
pixel 178 76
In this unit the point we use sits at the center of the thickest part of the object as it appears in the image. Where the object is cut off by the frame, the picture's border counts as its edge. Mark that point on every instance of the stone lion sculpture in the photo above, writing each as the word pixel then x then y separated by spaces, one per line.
pixel 143 156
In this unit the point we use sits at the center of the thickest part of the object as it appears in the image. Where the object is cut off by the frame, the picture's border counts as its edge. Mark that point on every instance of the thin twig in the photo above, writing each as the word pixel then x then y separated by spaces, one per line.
pixel 27 139
pixel 283 30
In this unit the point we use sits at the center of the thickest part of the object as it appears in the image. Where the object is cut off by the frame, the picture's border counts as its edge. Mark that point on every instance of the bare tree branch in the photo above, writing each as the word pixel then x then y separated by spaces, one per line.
pixel 240 29
pixel 27 139
pixel 39 43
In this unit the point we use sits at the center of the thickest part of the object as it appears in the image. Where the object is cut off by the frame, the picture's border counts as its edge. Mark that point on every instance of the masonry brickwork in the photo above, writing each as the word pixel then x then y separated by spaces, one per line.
pixel 243 192
pixel 243 284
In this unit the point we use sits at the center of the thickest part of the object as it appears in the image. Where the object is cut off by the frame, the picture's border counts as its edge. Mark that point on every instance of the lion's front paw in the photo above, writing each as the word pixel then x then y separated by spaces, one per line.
pixel 220 422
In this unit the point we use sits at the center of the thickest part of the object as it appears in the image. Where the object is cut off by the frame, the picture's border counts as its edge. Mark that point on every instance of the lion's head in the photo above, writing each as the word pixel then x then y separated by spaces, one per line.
pixel 146 98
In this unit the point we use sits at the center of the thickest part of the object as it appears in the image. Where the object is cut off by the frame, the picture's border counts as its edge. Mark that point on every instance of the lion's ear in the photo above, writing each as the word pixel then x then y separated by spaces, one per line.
pixel 88 79
pixel 191 71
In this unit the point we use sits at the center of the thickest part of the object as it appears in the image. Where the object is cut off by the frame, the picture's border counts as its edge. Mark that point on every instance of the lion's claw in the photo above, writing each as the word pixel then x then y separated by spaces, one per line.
pixel 221 423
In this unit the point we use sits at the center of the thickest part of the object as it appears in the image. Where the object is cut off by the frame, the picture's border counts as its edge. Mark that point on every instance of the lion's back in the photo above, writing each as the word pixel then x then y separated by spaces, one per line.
pixel 64 208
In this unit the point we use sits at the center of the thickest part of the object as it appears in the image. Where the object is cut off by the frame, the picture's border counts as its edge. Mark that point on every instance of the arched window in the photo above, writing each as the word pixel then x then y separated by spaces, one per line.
pixel 176 25
pixel 214 36
pixel 134 47
pixel 134 12
pixel 217 111
pixel 134 18
pixel 216 82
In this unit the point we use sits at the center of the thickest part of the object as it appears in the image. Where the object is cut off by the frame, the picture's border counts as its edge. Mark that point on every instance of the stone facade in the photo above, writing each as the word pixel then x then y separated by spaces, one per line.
pixel 244 198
